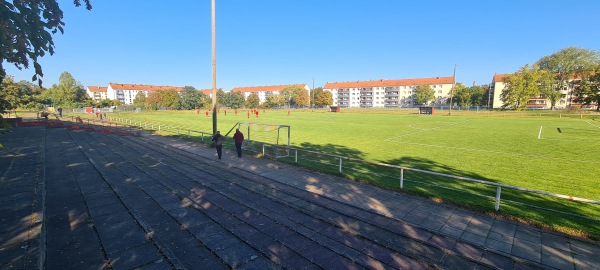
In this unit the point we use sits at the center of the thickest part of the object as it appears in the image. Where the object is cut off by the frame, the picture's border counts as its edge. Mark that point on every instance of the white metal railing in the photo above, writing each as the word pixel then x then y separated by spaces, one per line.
pixel 263 148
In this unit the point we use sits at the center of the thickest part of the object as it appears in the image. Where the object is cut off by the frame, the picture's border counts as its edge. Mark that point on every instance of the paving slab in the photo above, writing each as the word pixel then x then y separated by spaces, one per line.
pixel 152 202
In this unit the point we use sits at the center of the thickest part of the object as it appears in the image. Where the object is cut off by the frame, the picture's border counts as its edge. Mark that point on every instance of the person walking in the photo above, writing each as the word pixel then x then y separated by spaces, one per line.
pixel 238 138
pixel 218 139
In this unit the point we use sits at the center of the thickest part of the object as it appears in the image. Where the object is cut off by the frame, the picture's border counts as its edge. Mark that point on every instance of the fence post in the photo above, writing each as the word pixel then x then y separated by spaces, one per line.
pixel 498 191
pixel 340 170
pixel 202 136
pixel 296 156
pixel 263 149
pixel 401 178
pixel 158 127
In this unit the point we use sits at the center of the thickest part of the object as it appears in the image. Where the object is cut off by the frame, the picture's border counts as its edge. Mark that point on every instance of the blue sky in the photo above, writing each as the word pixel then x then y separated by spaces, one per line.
pixel 272 42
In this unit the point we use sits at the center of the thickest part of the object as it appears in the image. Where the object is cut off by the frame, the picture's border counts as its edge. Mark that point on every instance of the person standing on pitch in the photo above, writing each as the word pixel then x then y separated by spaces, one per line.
pixel 238 137
pixel 218 139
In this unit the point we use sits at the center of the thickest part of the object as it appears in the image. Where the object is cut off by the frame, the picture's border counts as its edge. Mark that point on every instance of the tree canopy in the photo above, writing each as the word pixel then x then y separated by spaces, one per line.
pixel 424 94
pixel 252 101
pixel 321 97
pixel 26 29
pixel 587 88
pixel 564 65
pixel 522 85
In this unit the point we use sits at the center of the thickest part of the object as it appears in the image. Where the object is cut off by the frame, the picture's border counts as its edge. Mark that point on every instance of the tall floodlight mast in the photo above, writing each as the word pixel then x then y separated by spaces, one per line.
pixel 214 68
pixel 452 90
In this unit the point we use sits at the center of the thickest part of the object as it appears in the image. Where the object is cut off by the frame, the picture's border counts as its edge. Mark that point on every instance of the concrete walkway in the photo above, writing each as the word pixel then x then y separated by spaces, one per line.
pixel 72 199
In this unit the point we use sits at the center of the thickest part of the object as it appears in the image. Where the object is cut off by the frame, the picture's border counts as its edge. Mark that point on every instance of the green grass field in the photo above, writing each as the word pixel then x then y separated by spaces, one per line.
pixel 497 147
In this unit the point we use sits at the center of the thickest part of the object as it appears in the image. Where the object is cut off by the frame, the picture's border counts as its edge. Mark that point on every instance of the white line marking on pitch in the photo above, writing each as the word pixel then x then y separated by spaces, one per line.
pixel 424 130
pixel 503 153
pixel 591 123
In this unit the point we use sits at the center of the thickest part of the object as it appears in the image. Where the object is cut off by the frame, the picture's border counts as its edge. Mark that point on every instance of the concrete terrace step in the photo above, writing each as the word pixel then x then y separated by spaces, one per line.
pixel 123 202
pixel 462 253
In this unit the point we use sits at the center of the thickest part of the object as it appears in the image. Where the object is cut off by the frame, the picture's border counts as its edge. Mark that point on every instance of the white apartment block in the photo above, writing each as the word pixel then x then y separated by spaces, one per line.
pixel 539 102
pixel 387 93
pixel 264 91
pixel 126 92
pixel 96 93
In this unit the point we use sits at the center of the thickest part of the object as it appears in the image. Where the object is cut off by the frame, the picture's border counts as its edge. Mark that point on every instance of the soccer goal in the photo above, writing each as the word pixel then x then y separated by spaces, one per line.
pixel 268 139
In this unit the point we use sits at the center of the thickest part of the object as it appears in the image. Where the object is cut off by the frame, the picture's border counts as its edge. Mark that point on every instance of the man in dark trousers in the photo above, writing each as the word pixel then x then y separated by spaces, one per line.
pixel 218 139
pixel 238 137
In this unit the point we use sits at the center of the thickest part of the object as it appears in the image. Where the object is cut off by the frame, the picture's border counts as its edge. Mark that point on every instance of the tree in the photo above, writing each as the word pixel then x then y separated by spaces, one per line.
pixel 68 91
pixel 564 65
pixel 587 89
pixel 322 98
pixel 302 99
pixel 26 29
pixel 424 94
pixel 462 95
pixel 478 95
pixel 190 98
pixel 290 93
pixel 10 96
pixel 521 86
pixel 153 100
pixel 169 98
pixel 140 100
pixel 252 101
pixel 105 103
pixel 275 101
pixel 235 100
pixel 221 97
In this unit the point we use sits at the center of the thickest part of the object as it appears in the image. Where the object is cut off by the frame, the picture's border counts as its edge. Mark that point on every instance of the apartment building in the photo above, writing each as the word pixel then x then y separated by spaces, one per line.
pixel 566 100
pixel 96 93
pixel 386 93
pixel 126 92
pixel 265 91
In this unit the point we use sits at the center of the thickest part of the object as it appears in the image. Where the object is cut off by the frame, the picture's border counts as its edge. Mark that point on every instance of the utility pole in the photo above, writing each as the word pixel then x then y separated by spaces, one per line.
pixel 214 68
pixel 312 96
pixel 452 89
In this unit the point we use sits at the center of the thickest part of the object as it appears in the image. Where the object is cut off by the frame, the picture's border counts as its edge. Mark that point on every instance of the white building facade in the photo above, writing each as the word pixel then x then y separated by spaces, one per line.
pixel 126 92
pixel 386 93
pixel 96 93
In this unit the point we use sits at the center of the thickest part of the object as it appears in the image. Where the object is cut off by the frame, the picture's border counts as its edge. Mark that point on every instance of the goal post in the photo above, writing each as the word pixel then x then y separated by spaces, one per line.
pixel 268 139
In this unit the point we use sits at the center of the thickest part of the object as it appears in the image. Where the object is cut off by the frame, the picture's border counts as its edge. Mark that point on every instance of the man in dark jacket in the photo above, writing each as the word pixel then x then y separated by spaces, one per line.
pixel 218 139
pixel 238 137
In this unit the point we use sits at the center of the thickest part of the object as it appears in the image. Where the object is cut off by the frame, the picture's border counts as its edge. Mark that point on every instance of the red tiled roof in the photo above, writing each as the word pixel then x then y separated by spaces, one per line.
pixel 143 87
pixel 97 88
pixel 206 91
pixel 268 88
pixel 383 83
pixel 499 77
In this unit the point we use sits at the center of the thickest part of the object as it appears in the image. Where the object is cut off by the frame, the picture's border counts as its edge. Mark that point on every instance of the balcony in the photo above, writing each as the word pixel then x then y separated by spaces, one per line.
pixel 366 91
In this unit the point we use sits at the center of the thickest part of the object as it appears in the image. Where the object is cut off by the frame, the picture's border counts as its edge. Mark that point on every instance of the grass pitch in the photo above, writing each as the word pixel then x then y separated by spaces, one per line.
pixel 497 147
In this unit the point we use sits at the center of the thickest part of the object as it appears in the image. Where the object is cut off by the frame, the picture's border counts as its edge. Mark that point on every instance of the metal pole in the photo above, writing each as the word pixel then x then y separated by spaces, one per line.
pixel 340 170
pixel 214 66
pixel 401 178
pixel 498 191
pixel 452 89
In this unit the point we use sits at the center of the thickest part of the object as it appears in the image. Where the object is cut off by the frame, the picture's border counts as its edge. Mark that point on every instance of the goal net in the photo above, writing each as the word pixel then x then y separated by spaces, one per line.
pixel 268 139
